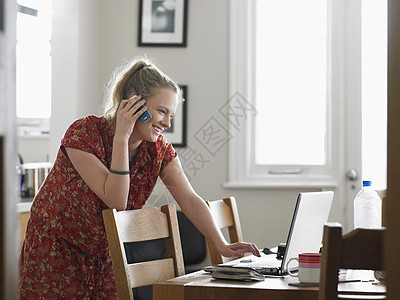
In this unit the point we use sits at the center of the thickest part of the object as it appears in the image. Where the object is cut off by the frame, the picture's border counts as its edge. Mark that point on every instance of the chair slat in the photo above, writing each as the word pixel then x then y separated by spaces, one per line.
pixel 369 243
pixel 142 225
pixel 150 272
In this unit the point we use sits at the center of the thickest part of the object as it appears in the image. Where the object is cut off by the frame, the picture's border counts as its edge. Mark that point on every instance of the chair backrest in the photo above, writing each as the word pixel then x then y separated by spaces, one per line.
pixel 137 226
pixel 360 249
pixel 225 214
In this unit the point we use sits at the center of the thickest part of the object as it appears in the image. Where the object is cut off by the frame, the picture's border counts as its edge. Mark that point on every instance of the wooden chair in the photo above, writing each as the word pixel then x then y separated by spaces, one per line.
pixel 23 223
pixel 361 249
pixel 225 214
pixel 143 225
pixel 384 203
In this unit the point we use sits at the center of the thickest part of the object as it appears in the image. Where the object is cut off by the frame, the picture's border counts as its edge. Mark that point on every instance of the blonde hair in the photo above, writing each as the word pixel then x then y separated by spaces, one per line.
pixel 139 77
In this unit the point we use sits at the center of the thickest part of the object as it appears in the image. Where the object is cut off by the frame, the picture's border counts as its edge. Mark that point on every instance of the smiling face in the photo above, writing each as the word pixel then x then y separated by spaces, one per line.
pixel 162 106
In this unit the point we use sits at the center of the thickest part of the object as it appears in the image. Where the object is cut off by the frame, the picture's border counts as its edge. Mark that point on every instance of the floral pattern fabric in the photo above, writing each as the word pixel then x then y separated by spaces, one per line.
pixel 65 252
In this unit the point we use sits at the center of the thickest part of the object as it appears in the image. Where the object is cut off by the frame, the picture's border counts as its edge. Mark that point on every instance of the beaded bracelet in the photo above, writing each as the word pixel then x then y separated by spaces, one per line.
pixel 120 172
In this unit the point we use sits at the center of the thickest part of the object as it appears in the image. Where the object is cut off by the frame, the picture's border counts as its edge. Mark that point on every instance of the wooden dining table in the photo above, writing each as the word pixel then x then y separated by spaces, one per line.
pixel 201 285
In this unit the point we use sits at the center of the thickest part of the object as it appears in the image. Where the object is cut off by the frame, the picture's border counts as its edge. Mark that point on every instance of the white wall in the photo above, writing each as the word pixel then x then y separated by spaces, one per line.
pixel 90 38
pixel 75 65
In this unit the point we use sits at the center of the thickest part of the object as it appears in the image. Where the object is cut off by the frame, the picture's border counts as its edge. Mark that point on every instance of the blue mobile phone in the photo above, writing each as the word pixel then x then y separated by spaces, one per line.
pixel 144 117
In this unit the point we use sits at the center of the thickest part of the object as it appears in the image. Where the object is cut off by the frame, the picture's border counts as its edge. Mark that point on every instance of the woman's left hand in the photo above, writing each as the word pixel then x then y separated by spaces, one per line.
pixel 239 249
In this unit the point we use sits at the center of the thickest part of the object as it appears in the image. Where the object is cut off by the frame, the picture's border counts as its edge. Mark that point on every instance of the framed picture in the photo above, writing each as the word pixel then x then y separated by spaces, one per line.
pixel 162 23
pixel 176 134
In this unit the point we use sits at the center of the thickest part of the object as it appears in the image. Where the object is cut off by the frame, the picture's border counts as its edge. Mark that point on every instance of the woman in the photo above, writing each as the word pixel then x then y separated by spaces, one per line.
pixel 107 162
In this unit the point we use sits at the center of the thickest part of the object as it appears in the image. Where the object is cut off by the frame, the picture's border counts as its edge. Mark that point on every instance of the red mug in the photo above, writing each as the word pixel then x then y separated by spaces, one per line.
pixel 309 267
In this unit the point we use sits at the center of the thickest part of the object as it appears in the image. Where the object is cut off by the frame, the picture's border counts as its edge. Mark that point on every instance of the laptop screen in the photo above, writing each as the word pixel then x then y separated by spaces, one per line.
pixel 306 230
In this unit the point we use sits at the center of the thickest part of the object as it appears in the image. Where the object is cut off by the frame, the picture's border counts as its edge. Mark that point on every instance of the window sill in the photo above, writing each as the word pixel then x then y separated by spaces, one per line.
pixel 38 136
pixel 280 185
pixel 24 207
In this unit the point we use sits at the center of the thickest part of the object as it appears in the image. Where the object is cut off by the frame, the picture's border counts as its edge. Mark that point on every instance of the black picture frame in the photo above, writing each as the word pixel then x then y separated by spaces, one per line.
pixel 162 23
pixel 2 16
pixel 176 134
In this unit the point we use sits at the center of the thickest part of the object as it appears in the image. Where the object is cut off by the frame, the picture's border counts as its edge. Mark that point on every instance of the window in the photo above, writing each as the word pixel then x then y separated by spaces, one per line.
pixel 291 72
pixel 285 64
pixel 298 66
pixel 33 58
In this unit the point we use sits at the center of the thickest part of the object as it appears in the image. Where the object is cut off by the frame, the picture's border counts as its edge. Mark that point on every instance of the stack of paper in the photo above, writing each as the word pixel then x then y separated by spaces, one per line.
pixel 234 273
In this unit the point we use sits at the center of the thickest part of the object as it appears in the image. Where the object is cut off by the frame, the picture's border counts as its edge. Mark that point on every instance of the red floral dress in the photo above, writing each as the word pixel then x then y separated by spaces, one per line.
pixel 65 252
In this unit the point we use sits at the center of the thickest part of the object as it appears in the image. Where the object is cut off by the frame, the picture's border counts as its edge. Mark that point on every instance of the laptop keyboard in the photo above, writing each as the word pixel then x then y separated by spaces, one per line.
pixel 266 261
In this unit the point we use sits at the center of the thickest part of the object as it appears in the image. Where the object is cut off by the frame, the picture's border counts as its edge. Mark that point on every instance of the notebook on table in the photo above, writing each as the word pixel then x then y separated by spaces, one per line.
pixel 305 235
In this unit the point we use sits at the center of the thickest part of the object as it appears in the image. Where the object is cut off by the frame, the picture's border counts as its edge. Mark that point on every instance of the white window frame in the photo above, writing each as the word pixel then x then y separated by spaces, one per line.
pixel 37 127
pixel 243 173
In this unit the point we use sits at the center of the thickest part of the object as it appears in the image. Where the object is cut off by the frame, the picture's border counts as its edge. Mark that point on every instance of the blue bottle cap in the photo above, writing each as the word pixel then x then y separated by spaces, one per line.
pixel 367 183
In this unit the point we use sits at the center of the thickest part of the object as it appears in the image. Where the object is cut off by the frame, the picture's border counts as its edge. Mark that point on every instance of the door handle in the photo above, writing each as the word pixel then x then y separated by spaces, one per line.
pixel 352 174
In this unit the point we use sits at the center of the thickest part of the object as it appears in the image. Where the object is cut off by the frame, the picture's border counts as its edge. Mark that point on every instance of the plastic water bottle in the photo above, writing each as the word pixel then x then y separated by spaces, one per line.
pixel 367 208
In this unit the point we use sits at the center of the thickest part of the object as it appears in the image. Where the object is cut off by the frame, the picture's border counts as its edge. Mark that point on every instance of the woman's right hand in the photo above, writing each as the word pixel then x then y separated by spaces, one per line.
pixel 239 249
pixel 127 115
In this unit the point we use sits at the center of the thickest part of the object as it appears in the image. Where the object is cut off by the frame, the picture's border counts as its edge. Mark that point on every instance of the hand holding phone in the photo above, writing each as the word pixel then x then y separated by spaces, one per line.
pixel 144 117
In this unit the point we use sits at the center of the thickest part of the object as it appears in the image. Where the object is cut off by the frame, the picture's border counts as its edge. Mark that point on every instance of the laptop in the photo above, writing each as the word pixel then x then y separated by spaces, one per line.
pixel 305 235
